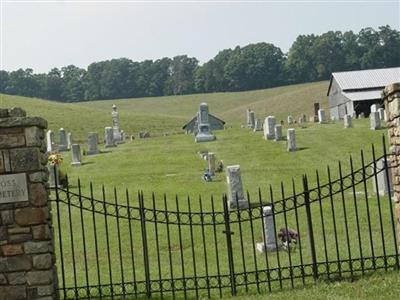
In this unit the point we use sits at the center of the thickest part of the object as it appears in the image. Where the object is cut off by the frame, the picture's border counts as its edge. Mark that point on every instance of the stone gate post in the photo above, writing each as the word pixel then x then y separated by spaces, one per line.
pixel 27 261
pixel 391 97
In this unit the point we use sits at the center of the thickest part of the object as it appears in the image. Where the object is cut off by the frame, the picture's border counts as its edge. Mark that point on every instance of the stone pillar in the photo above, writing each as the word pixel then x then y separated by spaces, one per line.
pixel 76 159
pixel 93 141
pixel 62 145
pixel 50 141
pixel 235 188
pixel 27 261
pixel 269 233
pixel 269 124
pixel 291 140
pixel 391 97
pixel 375 121
pixel 278 132
pixel 347 121
pixel 211 162
pixel 109 137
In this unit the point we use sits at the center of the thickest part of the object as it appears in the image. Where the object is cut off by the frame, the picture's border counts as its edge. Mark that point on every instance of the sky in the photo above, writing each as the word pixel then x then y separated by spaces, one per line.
pixel 42 34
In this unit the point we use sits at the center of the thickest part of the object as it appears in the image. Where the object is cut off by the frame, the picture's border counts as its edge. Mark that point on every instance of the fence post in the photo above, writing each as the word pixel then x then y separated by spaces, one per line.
pixel 145 247
pixel 391 98
pixel 228 234
pixel 310 227
pixel 27 260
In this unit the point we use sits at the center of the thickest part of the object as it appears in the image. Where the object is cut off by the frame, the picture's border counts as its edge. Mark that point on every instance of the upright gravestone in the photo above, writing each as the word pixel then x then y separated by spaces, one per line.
pixel 27 260
pixel 347 121
pixel 316 109
pixel 252 119
pixel 115 124
pixel 361 115
pixel 109 137
pixel 375 121
pixel 374 107
pixel 321 116
pixel 269 128
pixel 50 141
pixel 381 112
pixel 248 123
pixel 63 144
pixel 92 141
pixel 235 188
pixel 269 242
pixel 204 133
pixel 382 183
pixel 257 125
pixel 211 163
pixel 278 132
pixel 69 140
pixel 76 155
pixel 291 140
pixel 290 120
pixel 301 123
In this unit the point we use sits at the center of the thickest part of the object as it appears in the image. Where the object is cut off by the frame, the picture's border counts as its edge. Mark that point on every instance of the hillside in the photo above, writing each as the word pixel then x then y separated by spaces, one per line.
pixel 169 114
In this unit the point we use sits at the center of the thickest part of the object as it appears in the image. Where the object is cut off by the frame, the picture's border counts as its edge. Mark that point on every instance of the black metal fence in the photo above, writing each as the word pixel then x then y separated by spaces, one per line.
pixel 191 248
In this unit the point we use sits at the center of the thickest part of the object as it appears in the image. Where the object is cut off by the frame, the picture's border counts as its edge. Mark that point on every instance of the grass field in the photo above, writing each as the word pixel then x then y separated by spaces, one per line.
pixel 170 165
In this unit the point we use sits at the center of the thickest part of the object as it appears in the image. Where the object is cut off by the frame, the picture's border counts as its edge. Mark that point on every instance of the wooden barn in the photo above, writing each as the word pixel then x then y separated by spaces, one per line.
pixel 215 124
pixel 353 92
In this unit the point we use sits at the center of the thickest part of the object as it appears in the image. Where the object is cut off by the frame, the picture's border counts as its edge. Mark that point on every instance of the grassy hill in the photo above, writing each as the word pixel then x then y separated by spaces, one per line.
pixel 169 114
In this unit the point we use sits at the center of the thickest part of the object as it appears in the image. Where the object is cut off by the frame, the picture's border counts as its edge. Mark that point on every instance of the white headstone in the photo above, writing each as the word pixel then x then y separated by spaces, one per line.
pixel 321 116
pixel 211 163
pixel 63 144
pixel 76 155
pixel 257 125
pixel 69 140
pixel 278 132
pixel 237 199
pixel 374 107
pixel 109 137
pixel 347 121
pixel 269 233
pixel 269 128
pixel 291 140
pixel 383 184
pixel 375 120
pixel 50 141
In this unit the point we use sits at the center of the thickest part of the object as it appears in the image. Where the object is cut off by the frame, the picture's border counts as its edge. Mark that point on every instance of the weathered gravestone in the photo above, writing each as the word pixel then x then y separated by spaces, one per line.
pixel 257 125
pixel 252 119
pixel 348 121
pixel 375 121
pixel 63 144
pixel 248 123
pixel 211 163
pixel 382 181
pixel 76 155
pixel 115 124
pixel 269 128
pixel 381 112
pixel 50 141
pixel 109 137
pixel 69 140
pixel 204 133
pixel 269 242
pixel 27 260
pixel 92 141
pixel 237 199
pixel 278 132
pixel 291 140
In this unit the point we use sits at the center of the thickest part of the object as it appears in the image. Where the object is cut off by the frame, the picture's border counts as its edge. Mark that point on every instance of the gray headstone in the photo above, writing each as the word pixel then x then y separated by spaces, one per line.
pixel 54 174
pixel 321 116
pixel 76 155
pixel 291 140
pixel 50 141
pixel 278 132
pixel 375 121
pixel 203 133
pixel 381 112
pixel 316 109
pixel 63 144
pixel 269 128
pixel 384 186
pixel 348 122
pixel 257 125
pixel 248 123
pixel 69 140
pixel 252 119
pixel 269 233
pixel 109 137
pixel 290 120
pixel 374 107
pixel 235 188
pixel 92 140
pixel 115 124
pixel 211 162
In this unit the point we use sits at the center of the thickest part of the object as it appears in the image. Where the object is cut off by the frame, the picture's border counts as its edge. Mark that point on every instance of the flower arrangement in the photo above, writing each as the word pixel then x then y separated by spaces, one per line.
pixel 55 159
pixel 289 238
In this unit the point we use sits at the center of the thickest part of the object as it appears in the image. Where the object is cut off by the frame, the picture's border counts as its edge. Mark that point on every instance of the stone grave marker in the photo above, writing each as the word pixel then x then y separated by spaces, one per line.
pixel 50 141
pixel 236 199
pixel 291 140
pixel 63 144
pixel 348 121
pixel 321 116
pixel 109 137
pixel 76 155
pixel 269 242
pixel 278 132
pixel 375 121
pixel 93 141
pixel 204 133
pixel 269 128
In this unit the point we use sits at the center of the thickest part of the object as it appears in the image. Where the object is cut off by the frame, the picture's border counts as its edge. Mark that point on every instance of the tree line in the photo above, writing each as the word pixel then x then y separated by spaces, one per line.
pixel 255 66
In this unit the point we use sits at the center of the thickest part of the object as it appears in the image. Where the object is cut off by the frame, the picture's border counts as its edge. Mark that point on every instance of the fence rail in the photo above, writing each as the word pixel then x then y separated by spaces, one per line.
pixel 125 247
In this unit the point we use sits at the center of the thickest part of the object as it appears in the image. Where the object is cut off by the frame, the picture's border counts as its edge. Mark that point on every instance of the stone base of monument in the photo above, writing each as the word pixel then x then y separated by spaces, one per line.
pixel 262 247
pixel 204 137
pixel 241 204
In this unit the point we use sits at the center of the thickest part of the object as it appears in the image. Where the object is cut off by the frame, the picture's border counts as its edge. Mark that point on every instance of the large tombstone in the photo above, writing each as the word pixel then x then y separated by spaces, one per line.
pixel 109 137
pixel 76 155
pixel 237 199
pixel 211 163
pixel 348 121
pixel 382 184
pixel 50 141
pixel 115 124
pixel 269 242
pixel 63 143
pixel 278 132
pixel 269 128
pixel 69 140
pixel 92 140
pixel 27 258
pixel 375 121
pixel 316 109
pixel 257 125
pixel 291 140
pixel 203 133
pixel 252 119
pixel 321 116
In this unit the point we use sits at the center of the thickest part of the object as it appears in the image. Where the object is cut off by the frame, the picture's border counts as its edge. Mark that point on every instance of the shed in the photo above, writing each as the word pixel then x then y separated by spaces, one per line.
pixel 353 92
pixel 215 124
